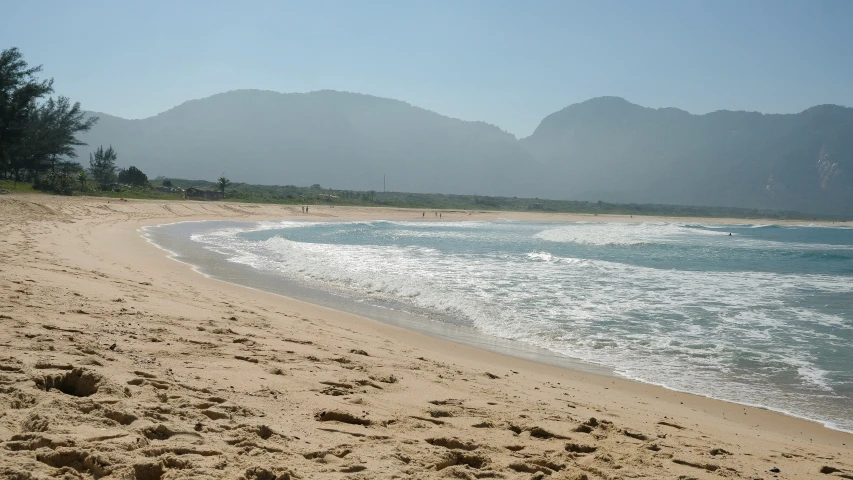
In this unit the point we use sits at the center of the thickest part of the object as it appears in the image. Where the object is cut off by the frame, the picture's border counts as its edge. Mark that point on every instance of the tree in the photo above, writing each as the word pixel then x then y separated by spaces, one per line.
pixel 35 136
pixel 223 183
pixel 68 166
pixel 82 177
pixel 167 183
pixel 102 165
pixel 19 90
pixel 60 122
pixel 132 176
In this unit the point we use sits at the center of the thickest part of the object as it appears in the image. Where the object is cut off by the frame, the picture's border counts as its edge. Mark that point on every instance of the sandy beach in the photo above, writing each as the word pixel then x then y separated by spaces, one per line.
pixel 118 362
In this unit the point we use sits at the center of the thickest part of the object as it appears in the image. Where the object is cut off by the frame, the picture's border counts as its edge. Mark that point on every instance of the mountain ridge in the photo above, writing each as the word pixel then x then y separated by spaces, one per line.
pixel 604 148
pixel 677 109
pixel 310 138
pixel 313 92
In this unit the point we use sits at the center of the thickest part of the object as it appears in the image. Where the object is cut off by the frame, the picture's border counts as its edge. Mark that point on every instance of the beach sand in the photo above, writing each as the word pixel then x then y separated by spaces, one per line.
pixel 118 362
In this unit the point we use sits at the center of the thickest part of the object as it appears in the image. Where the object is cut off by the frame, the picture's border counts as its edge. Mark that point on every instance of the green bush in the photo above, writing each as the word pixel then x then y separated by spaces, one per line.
pixel 56 182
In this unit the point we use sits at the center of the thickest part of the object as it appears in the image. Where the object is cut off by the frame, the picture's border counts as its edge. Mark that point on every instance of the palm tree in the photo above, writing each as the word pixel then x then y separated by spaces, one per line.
pixel 223 183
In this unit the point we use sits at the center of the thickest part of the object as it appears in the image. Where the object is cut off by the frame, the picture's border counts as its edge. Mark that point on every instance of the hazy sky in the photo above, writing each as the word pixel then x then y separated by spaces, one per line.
pixel 509 63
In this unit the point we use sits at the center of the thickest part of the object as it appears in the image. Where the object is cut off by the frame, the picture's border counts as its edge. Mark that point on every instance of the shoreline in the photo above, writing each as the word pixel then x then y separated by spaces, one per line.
pixel 437 330
pixel 91 247
pixel 408 321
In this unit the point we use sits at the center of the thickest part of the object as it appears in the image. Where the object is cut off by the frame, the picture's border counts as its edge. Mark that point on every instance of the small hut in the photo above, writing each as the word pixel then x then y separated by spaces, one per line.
pixel 198 193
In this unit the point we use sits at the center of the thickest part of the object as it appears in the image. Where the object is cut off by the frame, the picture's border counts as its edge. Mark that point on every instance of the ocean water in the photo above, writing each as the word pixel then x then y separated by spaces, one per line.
pixel 762 317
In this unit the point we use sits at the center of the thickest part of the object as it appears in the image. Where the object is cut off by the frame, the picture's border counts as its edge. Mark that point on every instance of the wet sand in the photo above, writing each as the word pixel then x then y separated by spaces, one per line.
pixel 118 362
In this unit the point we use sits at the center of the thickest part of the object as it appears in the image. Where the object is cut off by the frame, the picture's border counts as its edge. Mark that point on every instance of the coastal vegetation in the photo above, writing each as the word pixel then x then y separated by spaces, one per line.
pixel 317 195
pixel 222 184
pixel 162 188
pixel 39 138
pixel 102 164
pixel 132 176
pixel 38 134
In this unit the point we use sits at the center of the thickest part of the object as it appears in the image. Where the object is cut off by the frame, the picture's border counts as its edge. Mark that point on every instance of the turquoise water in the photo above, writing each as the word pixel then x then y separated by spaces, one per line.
pixel 762 317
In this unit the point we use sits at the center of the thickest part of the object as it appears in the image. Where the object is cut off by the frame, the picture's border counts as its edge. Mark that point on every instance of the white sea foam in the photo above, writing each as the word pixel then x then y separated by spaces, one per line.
pixel 638 234
pixel 621 234
pixel 728 334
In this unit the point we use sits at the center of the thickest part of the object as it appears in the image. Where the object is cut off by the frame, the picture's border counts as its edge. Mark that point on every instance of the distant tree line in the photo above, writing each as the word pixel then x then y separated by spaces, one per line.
pixel 315 194
pixel 39 133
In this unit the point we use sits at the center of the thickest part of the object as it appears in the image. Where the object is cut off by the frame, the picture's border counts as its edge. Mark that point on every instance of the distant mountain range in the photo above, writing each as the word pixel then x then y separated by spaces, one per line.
pixel 603 149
